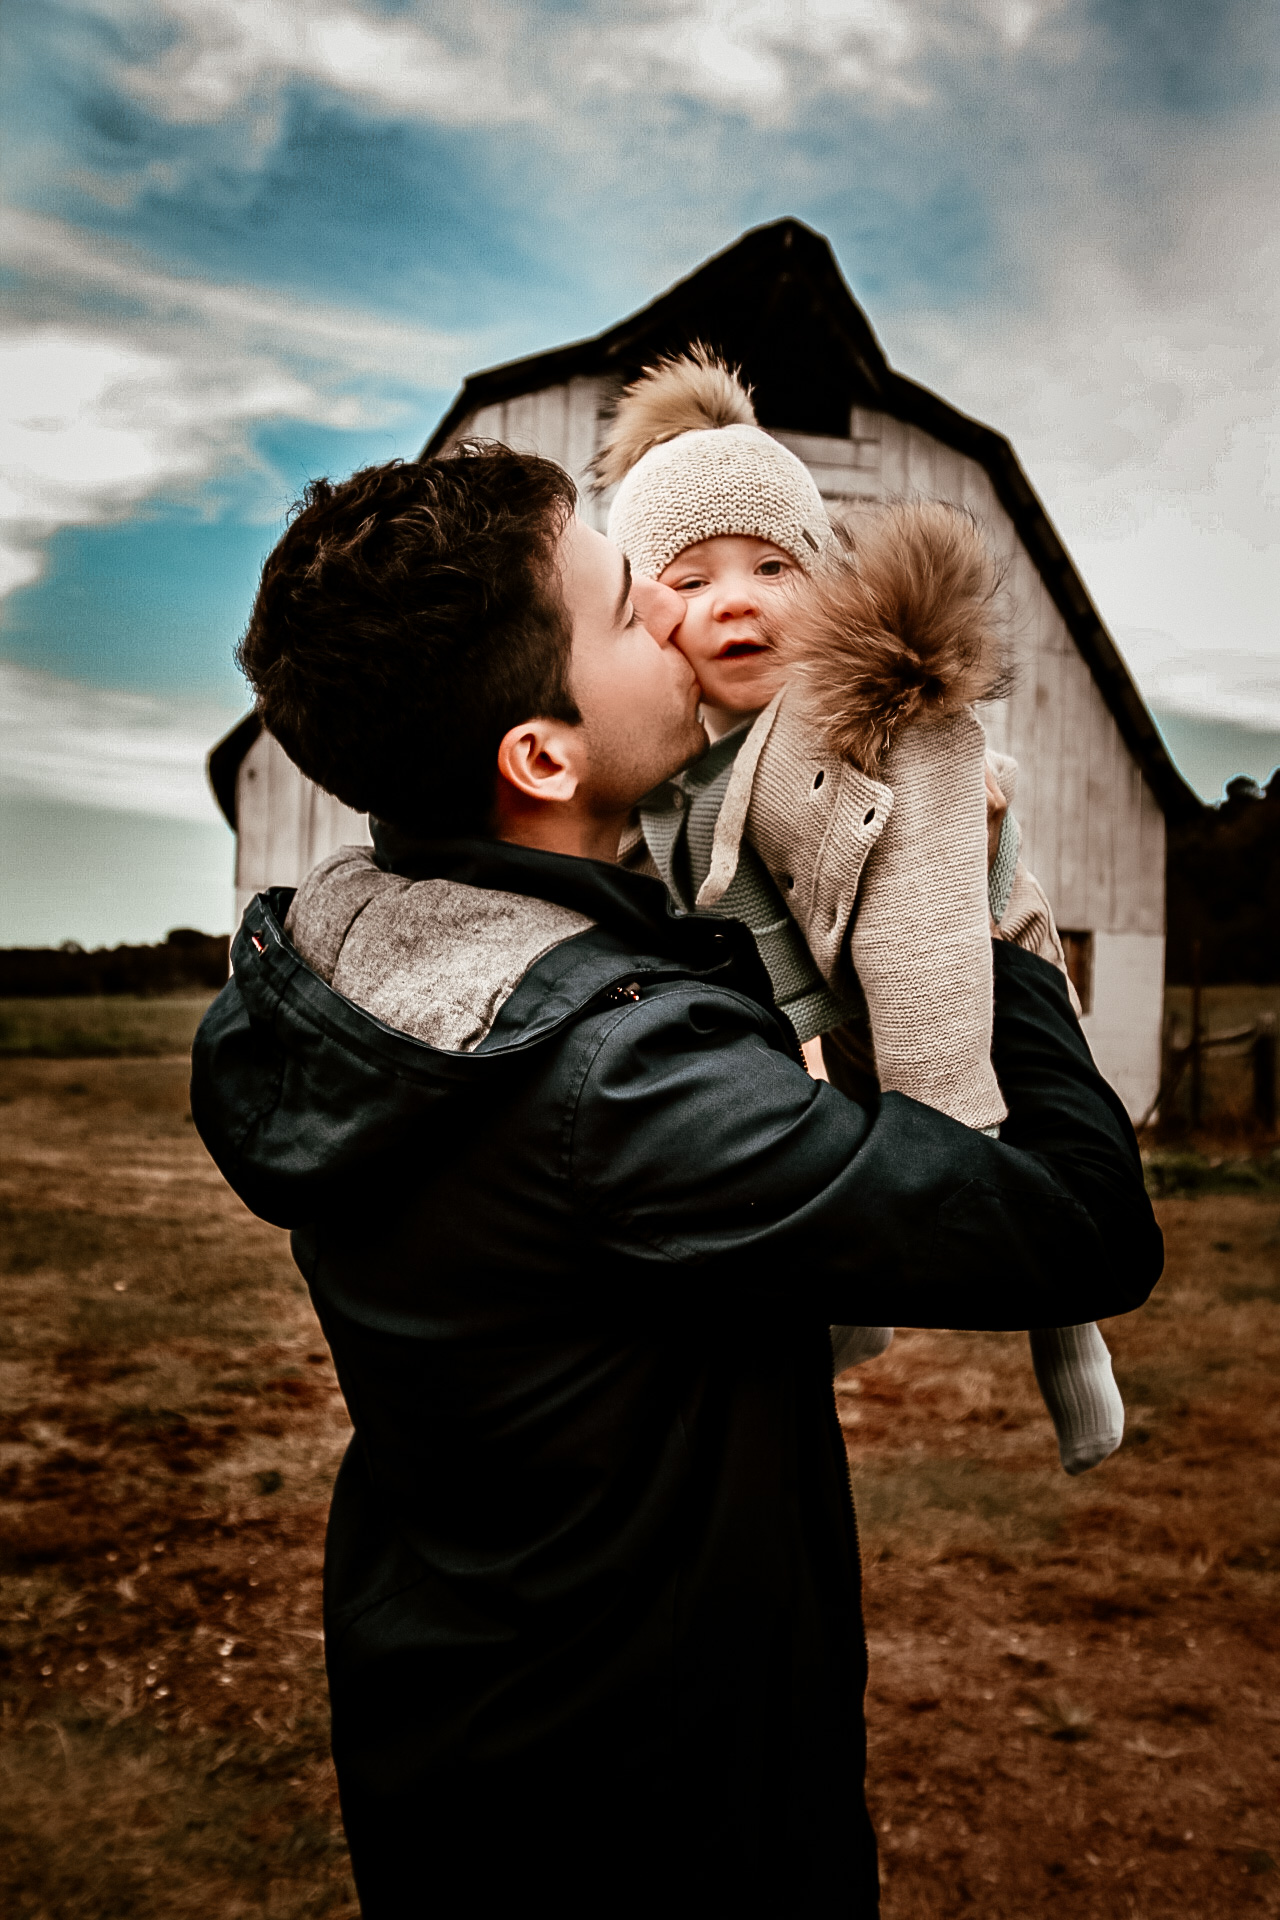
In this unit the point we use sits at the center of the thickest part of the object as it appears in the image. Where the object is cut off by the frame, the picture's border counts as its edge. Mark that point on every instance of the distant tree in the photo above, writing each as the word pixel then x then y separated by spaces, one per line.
pixel 185 962
pixel 1224 889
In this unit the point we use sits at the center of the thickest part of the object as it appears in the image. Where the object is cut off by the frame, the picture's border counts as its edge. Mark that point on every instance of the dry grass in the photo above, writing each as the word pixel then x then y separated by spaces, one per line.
pixel 98 1025
pixel 1074 1683
pixel 171 1430
pixel 1073 1700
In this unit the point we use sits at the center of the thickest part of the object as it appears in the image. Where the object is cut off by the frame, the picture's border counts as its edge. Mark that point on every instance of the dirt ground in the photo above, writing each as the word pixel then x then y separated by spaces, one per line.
pixel 1074 1705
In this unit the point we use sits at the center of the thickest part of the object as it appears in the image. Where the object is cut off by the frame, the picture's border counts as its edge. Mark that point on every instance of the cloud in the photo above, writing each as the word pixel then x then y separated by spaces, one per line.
pixel 126 381
pixel 225 55
pixel 514 64
pixel 92 426
pixel 65 268
pixel 126 752
pixel 1205 683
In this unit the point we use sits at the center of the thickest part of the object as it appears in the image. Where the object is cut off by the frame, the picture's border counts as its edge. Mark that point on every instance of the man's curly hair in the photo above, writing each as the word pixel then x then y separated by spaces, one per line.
pixel 406 620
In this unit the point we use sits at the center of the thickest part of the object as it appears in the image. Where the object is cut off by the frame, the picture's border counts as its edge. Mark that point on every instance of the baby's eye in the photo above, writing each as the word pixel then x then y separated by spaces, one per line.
pixel 771 568
pixel 692 585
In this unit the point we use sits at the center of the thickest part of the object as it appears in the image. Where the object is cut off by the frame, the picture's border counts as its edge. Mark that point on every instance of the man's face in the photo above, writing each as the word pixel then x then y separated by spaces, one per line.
pixel 637 693
pixel 726 585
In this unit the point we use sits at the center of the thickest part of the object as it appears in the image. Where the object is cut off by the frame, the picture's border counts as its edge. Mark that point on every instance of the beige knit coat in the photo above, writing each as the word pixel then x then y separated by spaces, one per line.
pixel 885 872
pixel 887 880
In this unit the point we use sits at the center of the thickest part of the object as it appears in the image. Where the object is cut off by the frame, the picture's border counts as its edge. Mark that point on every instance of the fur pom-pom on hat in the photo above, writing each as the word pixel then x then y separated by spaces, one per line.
pixel 691 465
pixel 896 624
pixel 685 393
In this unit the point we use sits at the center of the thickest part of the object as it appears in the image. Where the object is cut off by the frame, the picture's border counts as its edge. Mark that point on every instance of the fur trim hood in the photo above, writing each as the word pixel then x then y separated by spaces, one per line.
pixel 895 624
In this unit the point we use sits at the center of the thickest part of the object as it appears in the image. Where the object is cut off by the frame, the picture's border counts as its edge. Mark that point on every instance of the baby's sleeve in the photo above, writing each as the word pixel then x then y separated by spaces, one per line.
pixel 920 942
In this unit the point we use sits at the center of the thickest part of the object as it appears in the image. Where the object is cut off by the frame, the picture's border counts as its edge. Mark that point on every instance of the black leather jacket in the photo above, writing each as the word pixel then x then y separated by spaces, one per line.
pixel 592 1588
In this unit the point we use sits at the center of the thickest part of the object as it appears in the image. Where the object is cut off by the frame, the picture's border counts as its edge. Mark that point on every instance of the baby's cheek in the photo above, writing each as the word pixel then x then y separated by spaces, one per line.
pixel 695 641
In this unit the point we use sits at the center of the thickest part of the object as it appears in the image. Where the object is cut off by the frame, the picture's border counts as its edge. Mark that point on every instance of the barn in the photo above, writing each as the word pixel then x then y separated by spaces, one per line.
pixel 1097 787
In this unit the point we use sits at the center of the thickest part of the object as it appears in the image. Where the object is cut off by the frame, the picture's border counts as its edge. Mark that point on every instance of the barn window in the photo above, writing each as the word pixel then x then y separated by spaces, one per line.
pixel 1078 948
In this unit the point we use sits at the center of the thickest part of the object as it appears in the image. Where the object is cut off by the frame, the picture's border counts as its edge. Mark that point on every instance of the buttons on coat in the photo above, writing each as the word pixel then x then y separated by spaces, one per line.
pixel 618 996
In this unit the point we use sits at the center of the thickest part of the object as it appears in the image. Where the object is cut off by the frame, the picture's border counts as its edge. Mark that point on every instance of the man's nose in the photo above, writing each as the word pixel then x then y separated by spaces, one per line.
pixel 661 609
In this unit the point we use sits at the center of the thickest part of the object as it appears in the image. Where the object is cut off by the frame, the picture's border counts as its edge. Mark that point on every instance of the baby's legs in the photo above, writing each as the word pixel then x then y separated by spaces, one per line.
pixel 850 1346
pixel 1073 1369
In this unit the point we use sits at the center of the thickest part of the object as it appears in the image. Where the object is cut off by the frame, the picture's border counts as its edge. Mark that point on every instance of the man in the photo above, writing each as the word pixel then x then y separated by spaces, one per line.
pixel 575 1221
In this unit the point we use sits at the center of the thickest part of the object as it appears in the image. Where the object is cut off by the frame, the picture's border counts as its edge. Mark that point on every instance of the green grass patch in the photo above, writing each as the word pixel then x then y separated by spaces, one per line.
pixel 1180 1174
pixel 100 1026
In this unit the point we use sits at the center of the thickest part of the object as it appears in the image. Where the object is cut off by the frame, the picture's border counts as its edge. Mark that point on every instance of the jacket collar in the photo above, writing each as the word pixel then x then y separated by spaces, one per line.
pixel 636 909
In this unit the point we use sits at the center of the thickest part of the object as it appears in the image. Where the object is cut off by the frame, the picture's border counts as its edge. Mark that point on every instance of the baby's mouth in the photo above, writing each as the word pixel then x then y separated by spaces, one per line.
pixel 741 649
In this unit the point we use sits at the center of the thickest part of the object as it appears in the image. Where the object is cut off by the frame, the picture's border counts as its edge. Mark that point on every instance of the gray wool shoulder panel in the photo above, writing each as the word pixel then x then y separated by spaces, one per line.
pixel 432 958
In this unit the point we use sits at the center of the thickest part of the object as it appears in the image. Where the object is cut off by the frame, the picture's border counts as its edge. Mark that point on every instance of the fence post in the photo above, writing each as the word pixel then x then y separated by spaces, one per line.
pixel 1264 1072
pixel 1197 1059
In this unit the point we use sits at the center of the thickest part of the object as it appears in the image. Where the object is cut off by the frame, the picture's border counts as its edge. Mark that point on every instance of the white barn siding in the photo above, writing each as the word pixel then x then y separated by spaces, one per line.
pixel 284 824
pixel 562 423
pixel 1093 832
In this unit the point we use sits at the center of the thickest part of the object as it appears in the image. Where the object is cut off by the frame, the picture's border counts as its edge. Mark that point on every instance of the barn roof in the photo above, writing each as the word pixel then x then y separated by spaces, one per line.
pixel 776 304
pixel 223 763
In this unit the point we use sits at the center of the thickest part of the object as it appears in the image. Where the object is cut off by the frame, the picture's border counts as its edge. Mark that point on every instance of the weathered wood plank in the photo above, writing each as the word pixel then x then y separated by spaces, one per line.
pixel 977 497
pixel 922 453
pixel 818 449
pixel 487 423
pixel 252 815
pixel 582 425
pixel 893 456
pixel 1085 809
pixel 1112 825
pixel 286 823
pixel 521 424
pixel 948 474
pixel 1127 884
pixel 551 423
pixel 1045 745
pixel 845 483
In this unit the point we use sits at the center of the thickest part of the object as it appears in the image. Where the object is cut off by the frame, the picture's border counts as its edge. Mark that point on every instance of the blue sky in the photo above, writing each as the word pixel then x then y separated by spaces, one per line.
pixel 250 240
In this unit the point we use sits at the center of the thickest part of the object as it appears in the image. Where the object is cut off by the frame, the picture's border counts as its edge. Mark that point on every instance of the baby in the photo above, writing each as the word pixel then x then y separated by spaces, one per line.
pixel 842 809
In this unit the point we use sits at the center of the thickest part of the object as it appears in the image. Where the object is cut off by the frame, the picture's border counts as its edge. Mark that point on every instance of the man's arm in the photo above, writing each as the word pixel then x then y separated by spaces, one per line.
pixel 699 1148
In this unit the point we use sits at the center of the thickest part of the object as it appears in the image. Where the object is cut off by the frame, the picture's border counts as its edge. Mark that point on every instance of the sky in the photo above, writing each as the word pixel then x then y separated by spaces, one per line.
pixel 248 241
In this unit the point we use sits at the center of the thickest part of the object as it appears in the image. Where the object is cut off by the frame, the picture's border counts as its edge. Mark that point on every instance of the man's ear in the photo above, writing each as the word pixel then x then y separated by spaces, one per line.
pixel 538 761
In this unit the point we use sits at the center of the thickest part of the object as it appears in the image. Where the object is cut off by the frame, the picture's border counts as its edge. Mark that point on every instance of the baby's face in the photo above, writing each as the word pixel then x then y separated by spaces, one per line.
pixel 726 585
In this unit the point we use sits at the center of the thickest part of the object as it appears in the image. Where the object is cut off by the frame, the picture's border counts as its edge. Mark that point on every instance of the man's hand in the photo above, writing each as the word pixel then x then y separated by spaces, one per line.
pixel 997 807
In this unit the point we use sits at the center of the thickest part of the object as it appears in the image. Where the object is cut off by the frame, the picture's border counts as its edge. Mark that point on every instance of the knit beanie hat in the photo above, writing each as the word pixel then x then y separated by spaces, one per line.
pixel 693 465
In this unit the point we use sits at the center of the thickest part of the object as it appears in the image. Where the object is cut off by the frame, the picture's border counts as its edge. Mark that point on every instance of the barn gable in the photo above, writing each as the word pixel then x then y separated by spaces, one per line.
pixel 1096 785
